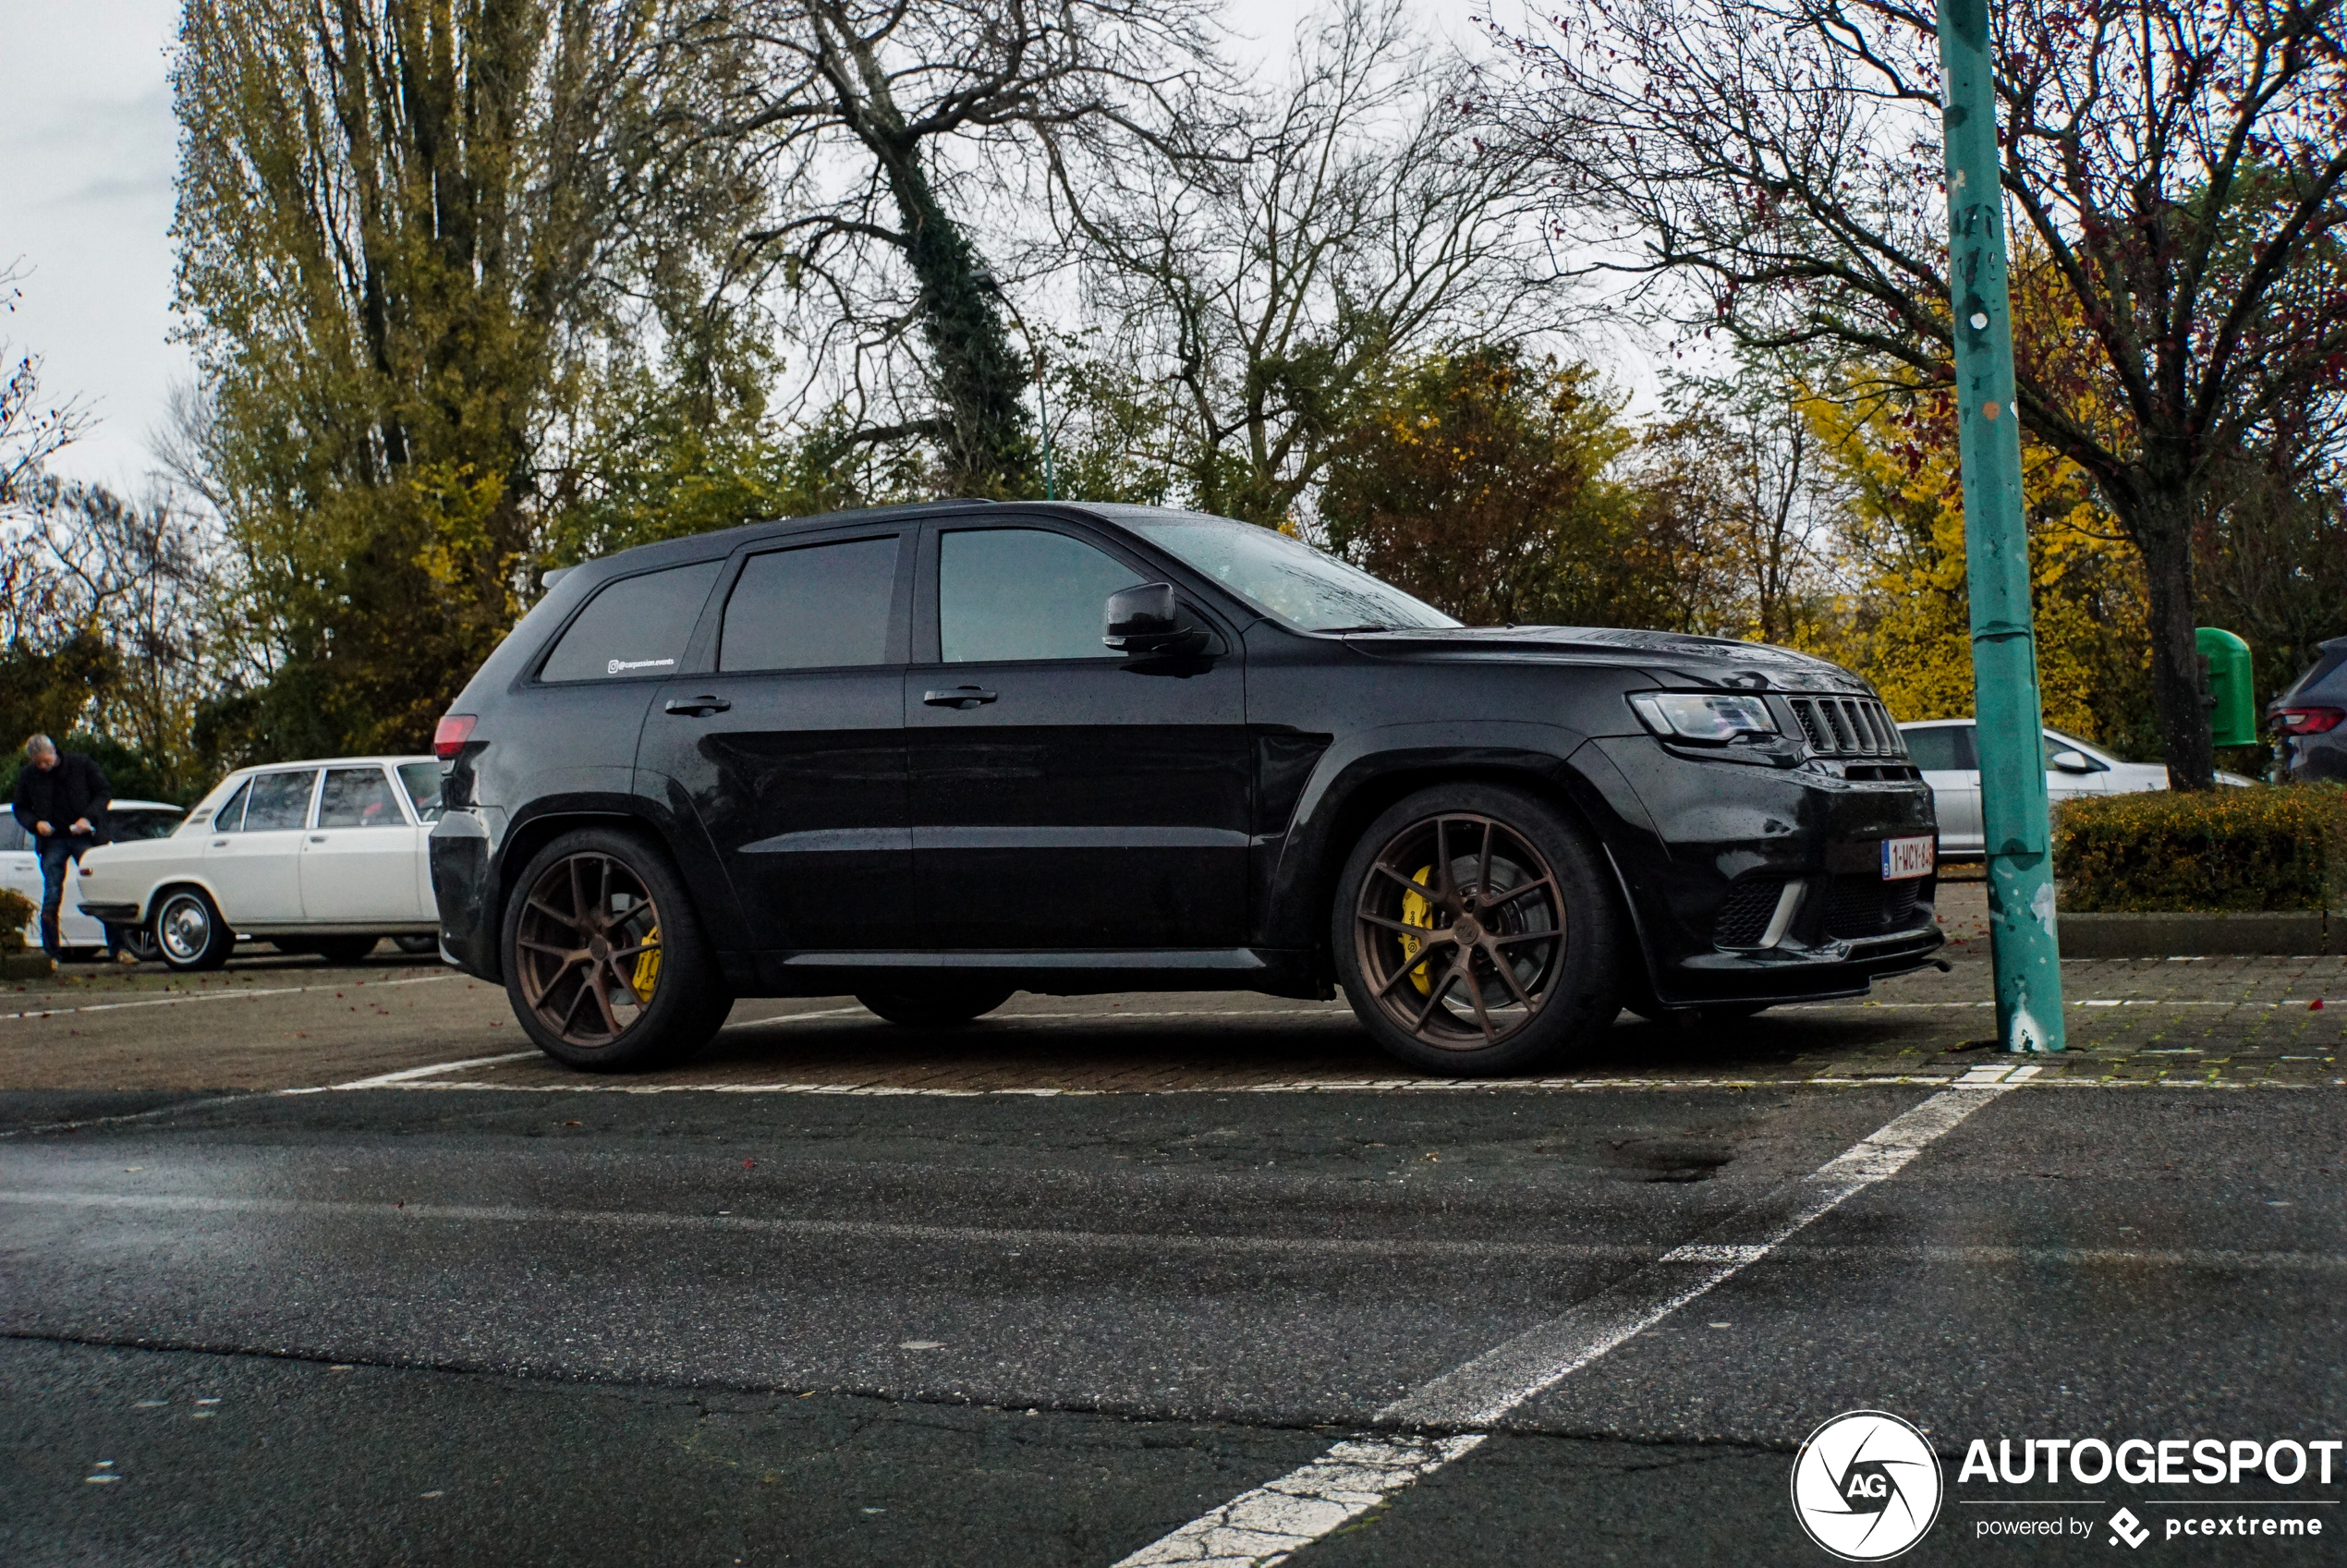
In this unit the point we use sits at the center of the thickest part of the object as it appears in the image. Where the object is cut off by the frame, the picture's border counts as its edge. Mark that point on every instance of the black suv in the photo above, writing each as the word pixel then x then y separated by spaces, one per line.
pixel 930 754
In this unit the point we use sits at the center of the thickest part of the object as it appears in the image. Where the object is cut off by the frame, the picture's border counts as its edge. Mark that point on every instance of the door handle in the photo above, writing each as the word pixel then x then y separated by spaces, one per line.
pixel 317 838
pixel 696 707
pixel 960 697
pixel 219 844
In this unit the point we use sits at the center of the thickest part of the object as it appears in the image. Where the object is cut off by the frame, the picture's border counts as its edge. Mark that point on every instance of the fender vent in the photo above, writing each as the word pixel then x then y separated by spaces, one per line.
pixel 1847 726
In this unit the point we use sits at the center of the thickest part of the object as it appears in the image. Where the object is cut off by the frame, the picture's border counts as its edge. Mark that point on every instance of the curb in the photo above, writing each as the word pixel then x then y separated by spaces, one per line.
pixel 2189 934
pixel 27 966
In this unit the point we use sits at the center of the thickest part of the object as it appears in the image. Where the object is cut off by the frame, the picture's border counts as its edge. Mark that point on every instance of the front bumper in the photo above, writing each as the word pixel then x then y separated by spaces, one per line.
pixel 1765 883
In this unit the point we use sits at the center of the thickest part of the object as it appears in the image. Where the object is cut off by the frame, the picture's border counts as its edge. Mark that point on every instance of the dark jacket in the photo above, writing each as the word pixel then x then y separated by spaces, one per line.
pixel 63 795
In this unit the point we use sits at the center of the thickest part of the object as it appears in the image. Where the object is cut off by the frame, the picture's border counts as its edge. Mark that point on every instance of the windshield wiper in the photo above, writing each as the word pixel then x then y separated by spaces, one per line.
pixel 1363 626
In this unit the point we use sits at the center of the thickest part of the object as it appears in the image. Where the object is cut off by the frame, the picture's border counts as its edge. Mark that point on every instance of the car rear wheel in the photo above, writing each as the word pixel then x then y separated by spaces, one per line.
pixel 417 946
pixel 188 933
pixel 935 1007
pixel 343 949
pixel 1475 932
pixel 606 964
pixel 137 940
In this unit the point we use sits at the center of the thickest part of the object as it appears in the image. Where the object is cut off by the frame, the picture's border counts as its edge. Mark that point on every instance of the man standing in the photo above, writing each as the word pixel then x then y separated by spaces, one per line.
pixel 61 800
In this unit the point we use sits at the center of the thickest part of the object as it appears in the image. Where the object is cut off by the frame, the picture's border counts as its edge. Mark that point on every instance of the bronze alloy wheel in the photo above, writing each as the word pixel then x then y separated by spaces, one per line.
pixel 588 948
pixel 1460 931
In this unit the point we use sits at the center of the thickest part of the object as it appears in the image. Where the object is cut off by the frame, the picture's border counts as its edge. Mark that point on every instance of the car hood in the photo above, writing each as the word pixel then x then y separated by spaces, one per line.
pixel 1701 660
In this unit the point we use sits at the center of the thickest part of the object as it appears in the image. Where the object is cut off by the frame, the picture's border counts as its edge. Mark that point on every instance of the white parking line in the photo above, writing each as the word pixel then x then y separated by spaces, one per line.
pixel 1271 1522
pixel 222 996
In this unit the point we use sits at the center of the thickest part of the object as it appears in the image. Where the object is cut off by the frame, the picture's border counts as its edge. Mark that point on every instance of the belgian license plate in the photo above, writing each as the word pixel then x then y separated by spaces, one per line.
pixel 1904 857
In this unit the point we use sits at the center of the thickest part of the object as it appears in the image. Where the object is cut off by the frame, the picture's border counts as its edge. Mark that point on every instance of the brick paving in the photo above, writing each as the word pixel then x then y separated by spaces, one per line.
pixel 2221 1021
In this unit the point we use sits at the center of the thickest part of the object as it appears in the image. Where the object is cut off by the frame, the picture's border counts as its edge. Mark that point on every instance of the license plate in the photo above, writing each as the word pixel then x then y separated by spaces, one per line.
pixel 1904 857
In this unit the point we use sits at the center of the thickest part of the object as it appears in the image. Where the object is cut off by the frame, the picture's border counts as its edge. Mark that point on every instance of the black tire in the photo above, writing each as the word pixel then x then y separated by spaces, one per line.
pixel 137 940
pixel 576 895
pixel 294 947
pixel 938 1006
pixel 188 933
pixel 343 949
pixel 1525 882
pixel 417 946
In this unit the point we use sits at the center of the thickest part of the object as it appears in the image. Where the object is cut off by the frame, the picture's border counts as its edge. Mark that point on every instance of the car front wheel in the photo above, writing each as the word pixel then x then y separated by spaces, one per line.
pixel 189 931
pixel 605 964
pixel 1475 932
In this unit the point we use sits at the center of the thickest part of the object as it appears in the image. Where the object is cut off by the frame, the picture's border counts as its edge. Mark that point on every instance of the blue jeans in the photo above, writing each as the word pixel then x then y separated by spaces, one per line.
pixel 58 852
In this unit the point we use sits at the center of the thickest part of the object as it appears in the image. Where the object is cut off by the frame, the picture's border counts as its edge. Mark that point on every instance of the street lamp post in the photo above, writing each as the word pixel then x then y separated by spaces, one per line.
pixel 2007 715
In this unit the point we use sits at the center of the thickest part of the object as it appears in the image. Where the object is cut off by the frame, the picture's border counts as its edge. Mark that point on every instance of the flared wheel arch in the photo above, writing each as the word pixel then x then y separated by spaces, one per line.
pixel 1368 799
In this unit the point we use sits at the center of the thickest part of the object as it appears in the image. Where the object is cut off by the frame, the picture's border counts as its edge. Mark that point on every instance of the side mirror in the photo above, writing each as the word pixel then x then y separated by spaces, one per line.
pixel 2074 762
pixel 1146 619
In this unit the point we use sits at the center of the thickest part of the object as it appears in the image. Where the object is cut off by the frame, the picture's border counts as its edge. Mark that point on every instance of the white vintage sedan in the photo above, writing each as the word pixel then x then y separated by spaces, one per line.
pixel 326 858
pixel 20 870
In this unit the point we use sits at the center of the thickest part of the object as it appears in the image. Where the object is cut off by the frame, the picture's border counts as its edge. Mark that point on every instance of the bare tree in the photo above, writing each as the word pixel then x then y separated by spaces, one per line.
pixel 30 432
pixel 2175 171
pixel 882 129
pixel 111 596
pixel 1356 230
pixel 1740 450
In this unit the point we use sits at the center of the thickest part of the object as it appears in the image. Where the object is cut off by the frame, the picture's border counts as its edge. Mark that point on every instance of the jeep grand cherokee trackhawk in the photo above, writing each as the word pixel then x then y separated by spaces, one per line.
pixel 932 755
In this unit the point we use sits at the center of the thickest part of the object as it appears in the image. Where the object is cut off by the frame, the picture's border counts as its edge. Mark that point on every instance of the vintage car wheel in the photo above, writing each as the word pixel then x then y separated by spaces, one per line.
pixel 939 1006
pixel 417 946
pixel 343 949
pixel 189 931
pixel 137 940
pixel 1475 932
pixel 604 961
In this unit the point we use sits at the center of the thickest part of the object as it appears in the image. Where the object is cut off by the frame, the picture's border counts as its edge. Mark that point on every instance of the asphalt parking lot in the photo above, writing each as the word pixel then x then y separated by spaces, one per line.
pixel 308 1265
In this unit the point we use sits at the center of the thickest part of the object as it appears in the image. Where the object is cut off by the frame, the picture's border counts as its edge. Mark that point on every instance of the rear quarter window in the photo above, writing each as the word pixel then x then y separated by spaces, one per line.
pixel 635 628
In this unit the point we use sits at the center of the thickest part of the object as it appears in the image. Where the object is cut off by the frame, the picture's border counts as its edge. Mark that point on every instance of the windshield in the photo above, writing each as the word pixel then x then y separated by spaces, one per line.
pixel 1279 577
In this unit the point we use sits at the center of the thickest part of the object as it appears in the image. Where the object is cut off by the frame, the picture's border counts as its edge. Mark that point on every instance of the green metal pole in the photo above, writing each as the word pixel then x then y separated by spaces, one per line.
pixel 2004 650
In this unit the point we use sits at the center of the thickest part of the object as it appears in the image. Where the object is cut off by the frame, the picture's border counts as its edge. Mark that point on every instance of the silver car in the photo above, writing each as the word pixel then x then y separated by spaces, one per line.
pixel 1943 749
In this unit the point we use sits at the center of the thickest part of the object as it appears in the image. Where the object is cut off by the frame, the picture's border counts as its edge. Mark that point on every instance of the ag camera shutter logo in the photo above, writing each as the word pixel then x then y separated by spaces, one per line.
pixel 1865 1486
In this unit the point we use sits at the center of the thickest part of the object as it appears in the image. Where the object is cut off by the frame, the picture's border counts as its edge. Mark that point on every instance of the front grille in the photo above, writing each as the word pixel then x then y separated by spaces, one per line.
pixel 1744 914
pixel 1847 726
pixel 1863 906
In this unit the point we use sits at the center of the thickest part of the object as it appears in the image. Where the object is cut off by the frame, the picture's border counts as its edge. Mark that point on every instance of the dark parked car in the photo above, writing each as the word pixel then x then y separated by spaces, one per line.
pixel 2310 719
pixel 895 754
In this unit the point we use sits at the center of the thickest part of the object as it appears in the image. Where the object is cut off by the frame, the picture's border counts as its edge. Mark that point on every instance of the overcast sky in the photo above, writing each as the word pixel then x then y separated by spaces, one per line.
pixel 87 151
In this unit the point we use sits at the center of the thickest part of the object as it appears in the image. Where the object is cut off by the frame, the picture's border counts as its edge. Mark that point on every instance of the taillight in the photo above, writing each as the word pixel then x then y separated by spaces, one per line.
pixel 2307 720
pixel 450 737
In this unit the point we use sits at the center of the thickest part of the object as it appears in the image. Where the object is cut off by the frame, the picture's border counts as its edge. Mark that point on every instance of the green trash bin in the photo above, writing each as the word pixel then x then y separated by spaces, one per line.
pixel 2233 718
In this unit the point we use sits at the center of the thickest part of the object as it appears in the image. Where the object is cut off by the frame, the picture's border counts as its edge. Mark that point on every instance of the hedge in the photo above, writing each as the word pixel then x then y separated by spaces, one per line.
pixel 2226 849
pixel 15 910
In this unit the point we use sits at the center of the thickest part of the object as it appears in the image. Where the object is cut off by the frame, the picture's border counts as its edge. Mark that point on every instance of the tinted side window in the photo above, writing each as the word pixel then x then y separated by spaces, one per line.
pixel 230 818
pixel 1023 593
pixel 807 609
pixel 1944 750
pixel 279 800
pixel 358 798
pixel 637 626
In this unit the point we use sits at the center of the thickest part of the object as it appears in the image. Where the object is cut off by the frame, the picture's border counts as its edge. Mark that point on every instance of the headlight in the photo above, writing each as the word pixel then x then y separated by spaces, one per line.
pixel 1711 717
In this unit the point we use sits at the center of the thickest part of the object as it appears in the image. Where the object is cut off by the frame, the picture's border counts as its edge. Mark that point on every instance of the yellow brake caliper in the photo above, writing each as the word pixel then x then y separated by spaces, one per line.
pixel 645 978
pixel 1416 911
